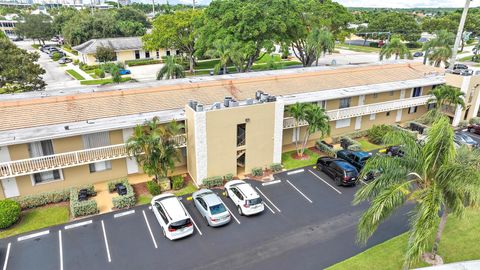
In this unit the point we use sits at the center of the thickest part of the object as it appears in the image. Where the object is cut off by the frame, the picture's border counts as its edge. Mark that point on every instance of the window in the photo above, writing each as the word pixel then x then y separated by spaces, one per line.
pixel 45 177
pixel 168 53
pixel 375 95
pixel 96 140
pixel 412 110
pixel 417 91
pixel 161 212
pixel 373 116
pixel 322 104
pixel 147 54
pixel 40 149
pixel 388 114
pixel 241 134
pixel 137 54
pixel 157 54
pixel 343 123
pixel 345 102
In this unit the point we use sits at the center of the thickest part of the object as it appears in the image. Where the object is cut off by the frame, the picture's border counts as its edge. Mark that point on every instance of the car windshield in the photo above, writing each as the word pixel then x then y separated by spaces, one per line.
pixel 217 209
pixel 254 201
pixel 468 139
pixel 351 173
pixel 180 224
pixel 364 159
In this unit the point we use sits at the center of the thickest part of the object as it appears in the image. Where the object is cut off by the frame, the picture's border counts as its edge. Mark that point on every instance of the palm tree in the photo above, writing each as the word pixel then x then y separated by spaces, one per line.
pixel 222 50
pixel 433 175
pixel 170 70
pixel 443 95
pixel 315 117
pixel 395 47
pixel 154 148
pixel 320 42
pixel 437 48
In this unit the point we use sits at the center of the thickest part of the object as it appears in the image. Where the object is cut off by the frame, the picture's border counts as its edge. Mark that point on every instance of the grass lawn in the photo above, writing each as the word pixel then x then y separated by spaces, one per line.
pixel 75 74
pixel 70 50
pixel 291 163
pixel 38 218
pixel 206 64
pixel 458 244
pixel 144 199
pixel 466 58
pixel 103 81
pixel 357 48
pixel 36 46
pixel 368 146
pixel 188 189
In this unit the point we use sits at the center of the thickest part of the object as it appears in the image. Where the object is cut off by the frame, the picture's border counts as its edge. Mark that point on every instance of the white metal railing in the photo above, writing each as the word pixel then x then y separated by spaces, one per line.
pixel 289 122
pixel 69 159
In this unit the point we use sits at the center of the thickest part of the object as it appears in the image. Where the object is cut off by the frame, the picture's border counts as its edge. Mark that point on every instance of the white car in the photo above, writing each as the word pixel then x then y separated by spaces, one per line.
pixel 243 195
pixel 172 216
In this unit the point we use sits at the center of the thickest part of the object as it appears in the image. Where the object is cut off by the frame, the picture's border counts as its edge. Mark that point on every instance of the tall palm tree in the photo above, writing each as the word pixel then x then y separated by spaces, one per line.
pixel 395 47
pixel 443 95
pixel 320 42
pixel 298 112
pixel 170 70
pixel 154 148
pixel 222 49
pixel 432 175
pixel 436 49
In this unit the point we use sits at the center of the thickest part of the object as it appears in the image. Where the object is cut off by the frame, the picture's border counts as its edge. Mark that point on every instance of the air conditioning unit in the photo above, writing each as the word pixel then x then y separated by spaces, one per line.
pixel 258 94
pixel 192 104
pixel 216 106
pixel 249 101
pixel 226 101
pixel 233 103
pixel 199 108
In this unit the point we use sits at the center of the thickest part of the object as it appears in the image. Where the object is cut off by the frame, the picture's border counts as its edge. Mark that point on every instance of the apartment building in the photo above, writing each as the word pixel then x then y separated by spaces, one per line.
pixel 63 140
pixel 8 27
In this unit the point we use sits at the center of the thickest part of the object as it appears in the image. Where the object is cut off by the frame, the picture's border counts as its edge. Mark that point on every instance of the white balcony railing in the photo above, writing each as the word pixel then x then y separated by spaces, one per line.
pixel 289 122
pixel 68 159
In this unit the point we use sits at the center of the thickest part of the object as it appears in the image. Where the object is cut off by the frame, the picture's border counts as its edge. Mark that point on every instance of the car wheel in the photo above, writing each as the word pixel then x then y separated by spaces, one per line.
pixel 240 211
pixel 226 193
pixel 163 231
pixel 206 219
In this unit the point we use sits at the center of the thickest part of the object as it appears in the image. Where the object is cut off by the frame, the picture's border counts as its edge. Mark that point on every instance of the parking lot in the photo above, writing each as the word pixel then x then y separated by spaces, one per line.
pixel 308 223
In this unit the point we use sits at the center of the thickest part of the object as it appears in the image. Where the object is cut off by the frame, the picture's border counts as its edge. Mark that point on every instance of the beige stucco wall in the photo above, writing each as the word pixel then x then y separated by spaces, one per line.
pixel 454 80
pixel 222 138
pixel 126 55
pixel 191 154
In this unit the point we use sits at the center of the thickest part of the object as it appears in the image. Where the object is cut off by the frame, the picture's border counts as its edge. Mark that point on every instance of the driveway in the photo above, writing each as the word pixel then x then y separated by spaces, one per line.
pixel 146 72
pixel 308 223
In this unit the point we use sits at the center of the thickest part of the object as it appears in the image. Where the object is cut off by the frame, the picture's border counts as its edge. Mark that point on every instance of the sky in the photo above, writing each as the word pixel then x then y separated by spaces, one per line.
pixel 367 3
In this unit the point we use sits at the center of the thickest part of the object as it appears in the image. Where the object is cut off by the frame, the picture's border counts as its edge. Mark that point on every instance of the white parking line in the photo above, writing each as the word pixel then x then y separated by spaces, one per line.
pixel 301 193
pixel 79 224
pixel 33 235
pixel 231 213
pixel 61 249
pixel 195 224
pixel 6 257
pixel 106 242
pixel 271 182
pixel 124 213
pixel 338 191
pixel 296 171
pixel 268 200
pixel 150 229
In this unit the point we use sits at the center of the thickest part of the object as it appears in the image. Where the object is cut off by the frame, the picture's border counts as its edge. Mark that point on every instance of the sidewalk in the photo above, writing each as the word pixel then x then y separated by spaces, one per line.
pixel 79 71
pixel 104 198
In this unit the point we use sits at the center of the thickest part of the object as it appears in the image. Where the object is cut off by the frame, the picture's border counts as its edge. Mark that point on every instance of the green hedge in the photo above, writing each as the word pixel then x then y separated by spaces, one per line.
pixel 474 120
pixel 325 148
pixel 177 182
pixel 377 132
pixel 275 167
pixel 463 124
pixel 41 199
pixel 257 171
pixel 353 135
pixel 86 67
pixel 83 208
pixel 153 188
pixel 142 62
pixel 122 201
pixel 353 145
pixel 214 181
pixel 408 131
pixel 228 177
pixel 9 213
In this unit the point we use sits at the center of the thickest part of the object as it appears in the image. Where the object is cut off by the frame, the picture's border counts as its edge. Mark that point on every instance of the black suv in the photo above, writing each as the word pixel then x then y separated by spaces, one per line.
pixel 344 173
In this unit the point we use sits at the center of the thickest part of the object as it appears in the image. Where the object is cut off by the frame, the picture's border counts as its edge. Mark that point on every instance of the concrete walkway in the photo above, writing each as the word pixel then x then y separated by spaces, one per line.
pixel 104 198
pixel 79 71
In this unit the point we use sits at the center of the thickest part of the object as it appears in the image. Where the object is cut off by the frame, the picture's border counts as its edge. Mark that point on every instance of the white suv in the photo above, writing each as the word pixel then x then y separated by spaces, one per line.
pixel 243 195
pixel 172 216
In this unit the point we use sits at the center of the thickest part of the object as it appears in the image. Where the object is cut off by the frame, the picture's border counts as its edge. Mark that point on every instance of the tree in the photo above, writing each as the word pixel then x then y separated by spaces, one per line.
pixel 316 118
pixel 399 23
pixel 129 14
pixel 115 72
pixel 395 47
pixel 19 71
pixel 222 49
pixel 320 42
pixel 174 31
pixel 439 49
pixel 154 148
pixel 37 27
pixel 443 95
pixel 433 175
pixel 105 54
pixel 131 29
pixel 170 70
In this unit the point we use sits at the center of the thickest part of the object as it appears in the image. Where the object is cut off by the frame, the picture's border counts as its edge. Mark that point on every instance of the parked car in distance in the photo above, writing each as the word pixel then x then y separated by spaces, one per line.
pixel 342 172
pixel 245 198
pixel 51 54
pixel 211 207
pixel 460 66
pixel 64 60
pixel 464 139
pixel 418 54
pixel 474 128
pixel 124 71
pixel 356 158
pixel 394 151
pixel 172 216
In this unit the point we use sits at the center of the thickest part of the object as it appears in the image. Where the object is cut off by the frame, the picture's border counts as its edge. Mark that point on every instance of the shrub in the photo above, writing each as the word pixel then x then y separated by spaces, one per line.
pixel 82 208
pixel 257 171
pixel 414 45
pixel 122 201
pixel 213 181
pixel 86 67
pixel 463 124
pixel 76 62
pixel 373 44
pixel 177 182
pixel 100 72
pixel 142 62
pixel 475 120
pixel 353 135
pixel 56 56
pixel 41 199
pixel 228 177
pixel 376 133
pixel 9 213
pixel 165 184
pixel 354 147
pixel 153 188
pixel 408 131
pixel 275 167
pixel 325 148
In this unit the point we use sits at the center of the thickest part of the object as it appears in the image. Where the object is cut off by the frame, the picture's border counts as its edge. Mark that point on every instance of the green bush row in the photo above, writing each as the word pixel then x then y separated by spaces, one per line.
pixel 41 199
pixel 474 120
pixel 352 144
pixel 123 201
pixel 86 67
pixel 100 72
pixel 82 208
pixel 9 213
pixel 177 182
pixel 353 135
pixel 408 131
pixel 377 132
pixel 228 177
pixel 325 148
pixel 153 188
pixel 142 62
pixel 214 181
pixel 257 171
pixel 275 167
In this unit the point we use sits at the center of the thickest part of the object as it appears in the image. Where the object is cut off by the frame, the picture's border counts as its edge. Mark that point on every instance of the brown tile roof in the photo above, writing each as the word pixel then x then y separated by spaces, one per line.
pixel 81 107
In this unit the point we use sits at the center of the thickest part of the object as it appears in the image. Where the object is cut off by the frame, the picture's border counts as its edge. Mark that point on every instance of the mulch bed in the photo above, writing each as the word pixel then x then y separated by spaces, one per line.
pixel 297 157
pixel 140 189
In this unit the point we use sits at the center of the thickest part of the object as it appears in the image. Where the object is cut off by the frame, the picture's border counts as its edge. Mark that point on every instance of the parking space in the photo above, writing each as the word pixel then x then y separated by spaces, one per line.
pixel 304 209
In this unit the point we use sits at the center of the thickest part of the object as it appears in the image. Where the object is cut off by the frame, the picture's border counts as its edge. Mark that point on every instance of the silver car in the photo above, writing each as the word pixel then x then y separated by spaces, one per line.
pixel 211 207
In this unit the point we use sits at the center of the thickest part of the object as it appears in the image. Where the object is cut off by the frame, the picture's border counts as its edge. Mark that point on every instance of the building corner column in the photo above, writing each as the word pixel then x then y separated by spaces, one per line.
pixel 278 130
pixel 458 111
pixel 200 126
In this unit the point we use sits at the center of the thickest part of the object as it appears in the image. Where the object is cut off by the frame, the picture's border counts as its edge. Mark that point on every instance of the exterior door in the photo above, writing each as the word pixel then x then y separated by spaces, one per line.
pixel 10 188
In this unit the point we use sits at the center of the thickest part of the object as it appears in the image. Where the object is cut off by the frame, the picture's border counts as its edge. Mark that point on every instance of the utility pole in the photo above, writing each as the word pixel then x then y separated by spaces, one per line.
pixel 193 4
pixel 458 39
pixel 153 8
